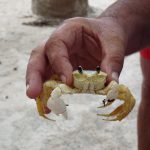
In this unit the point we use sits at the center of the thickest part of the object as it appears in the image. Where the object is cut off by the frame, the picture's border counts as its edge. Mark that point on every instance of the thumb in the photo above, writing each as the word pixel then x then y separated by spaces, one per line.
pixel 112 65
pixel 113 42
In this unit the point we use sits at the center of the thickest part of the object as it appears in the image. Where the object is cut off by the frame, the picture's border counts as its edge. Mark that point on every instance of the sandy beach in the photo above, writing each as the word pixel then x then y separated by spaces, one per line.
pixel 20 126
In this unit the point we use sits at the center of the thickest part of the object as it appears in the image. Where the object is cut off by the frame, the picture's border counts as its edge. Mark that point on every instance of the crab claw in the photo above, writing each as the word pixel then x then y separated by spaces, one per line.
pixel 124 94
pixel 42 109
pixel 41 101
pixel 58 107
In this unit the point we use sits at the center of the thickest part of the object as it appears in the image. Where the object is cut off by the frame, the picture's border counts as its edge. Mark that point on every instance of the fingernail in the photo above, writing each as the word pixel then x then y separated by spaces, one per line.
pixel 115 76
pixel 63 78
pixel 27 87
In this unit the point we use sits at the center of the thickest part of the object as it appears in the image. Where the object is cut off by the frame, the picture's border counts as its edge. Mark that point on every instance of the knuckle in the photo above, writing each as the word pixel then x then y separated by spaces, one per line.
pixel 30 69
pixel 52 47
pixel 54 59
pixel 33 55
pixel 117 58
pixel 34 58
pixel 34 51
pixel 117 62
pixel 31 63
pixel 76 22
pixel 53 41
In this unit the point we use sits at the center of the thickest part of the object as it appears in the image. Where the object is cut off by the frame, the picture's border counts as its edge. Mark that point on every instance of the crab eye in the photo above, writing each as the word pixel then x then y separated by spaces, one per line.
pixel 80 69
pixel 98 69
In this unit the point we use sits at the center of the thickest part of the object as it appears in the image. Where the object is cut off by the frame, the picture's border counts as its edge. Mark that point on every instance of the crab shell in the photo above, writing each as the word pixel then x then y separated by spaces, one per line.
pixel 89 80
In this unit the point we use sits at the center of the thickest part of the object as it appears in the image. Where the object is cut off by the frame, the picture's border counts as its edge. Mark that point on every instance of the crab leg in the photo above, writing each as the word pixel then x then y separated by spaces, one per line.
pixel 123 110
pixel 116 111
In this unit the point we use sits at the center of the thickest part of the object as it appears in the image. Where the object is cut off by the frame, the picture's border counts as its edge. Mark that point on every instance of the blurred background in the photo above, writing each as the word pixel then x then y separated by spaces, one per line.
pixel 23 25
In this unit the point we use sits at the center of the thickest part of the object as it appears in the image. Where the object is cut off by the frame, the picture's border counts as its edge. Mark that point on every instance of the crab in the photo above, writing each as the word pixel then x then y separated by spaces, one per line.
pixel 85 81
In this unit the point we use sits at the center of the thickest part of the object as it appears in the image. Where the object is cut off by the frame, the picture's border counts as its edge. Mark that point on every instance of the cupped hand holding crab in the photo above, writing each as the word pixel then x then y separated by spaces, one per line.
pixel 79 41
pixel 86 42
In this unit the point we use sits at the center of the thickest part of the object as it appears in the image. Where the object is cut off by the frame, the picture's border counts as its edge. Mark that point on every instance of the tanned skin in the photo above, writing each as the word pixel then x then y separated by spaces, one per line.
pixel 122 29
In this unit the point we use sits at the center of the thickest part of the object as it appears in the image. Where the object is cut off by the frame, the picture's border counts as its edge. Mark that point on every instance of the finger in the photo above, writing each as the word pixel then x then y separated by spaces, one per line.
pixel 34 86
pixel 35 72
pixel 57 54
pixel 113 56
pixel 112 65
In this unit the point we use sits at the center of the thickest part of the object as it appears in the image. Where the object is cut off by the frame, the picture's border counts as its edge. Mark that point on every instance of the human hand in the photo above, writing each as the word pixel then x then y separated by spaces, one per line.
pixel 78 41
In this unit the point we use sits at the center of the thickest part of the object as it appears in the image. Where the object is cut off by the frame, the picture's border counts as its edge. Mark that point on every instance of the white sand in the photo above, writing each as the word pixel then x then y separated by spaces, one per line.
pixel 20 126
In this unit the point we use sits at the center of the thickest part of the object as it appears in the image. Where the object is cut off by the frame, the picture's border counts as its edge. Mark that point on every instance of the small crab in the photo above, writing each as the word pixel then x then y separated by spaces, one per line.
pixel 85 81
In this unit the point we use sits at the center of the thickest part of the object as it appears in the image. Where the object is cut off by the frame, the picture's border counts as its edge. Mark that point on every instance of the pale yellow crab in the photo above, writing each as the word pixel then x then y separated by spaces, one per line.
pixel 84 81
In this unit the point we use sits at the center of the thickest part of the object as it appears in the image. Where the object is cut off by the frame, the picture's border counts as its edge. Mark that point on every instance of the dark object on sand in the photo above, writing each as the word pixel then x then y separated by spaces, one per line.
pixel 49 9
pixel 53 12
